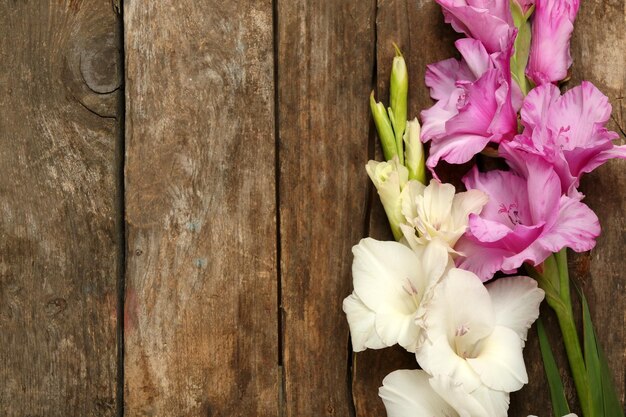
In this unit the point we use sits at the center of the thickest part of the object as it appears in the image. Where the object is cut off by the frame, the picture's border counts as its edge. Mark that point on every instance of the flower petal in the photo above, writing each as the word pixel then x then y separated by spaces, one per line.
pixel 480 402
pixel 380 271
pixel 361 321
pixel 516 302
pixel 576 227
pixel 500 363
pixel 407 393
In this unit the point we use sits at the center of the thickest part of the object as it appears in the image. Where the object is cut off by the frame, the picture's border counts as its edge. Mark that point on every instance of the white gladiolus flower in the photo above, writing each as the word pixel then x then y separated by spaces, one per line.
pixel 436 212
pixel 475 333
pixel 409 393
pixel 390 178
pixel 391 285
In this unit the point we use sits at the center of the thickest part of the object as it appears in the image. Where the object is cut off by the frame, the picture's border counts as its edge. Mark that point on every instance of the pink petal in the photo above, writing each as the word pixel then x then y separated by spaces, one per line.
pixel 481 260
pixel 508 199
pixel 455 149
pixel 576 227
pixel 552 28
pixel 488 26
pixel 441 77
pixel 578 114
pixel 434 119
pixel 475 55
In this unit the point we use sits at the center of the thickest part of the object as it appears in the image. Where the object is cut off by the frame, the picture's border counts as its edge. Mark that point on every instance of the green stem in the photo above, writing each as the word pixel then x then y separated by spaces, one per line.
pixel 565 315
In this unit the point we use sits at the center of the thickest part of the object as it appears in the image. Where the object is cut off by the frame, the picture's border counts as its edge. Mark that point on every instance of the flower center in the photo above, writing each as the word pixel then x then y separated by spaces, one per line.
pixel 511 212
pixel 410 289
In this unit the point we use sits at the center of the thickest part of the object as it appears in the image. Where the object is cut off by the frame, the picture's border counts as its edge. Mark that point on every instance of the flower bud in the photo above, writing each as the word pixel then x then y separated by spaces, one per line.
pixel 389 178
pixel 398 95
pixel 414 157
pixel 521 12
pixel 384 129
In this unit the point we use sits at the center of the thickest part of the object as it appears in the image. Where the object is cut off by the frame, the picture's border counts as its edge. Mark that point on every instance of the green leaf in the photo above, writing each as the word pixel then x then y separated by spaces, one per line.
pixel 603 396
pixel 592 361
pixel 557 393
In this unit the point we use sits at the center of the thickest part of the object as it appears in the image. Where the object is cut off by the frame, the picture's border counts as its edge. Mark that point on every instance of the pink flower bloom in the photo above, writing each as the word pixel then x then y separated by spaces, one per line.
pixel 552 27
pixel 565 131
pixel 475 103
pixel 525 220
pixel 488 21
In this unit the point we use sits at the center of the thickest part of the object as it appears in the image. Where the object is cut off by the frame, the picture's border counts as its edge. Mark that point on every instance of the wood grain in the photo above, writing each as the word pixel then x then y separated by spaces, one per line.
pixel 59 209
pixel 325 65
pixel 201 304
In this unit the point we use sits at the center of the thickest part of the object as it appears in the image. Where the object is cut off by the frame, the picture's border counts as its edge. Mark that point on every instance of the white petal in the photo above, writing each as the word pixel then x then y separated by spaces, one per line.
pixel 389 279
pixel 464 204
pixel 460 310
pixel 410 237
pixel 499 362
pixel 496 402
pixel 438 358
pixel 407 393
pixel 380 271
pixel 437 202
pixel 393 327
pixel 361 321
pixel 409 195
pixel 516 303
pixel 465 404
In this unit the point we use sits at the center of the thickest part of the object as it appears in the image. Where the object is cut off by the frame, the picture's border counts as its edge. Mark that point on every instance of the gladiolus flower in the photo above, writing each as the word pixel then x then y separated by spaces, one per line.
pixel 526 219
pixel 391 285
pixel 475 333
pixel 475 103
pixel 435 212
pixel 568 132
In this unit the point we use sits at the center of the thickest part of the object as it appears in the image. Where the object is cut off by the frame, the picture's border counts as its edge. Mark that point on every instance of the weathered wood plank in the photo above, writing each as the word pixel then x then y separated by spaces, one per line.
pixel 325 65
pixel 60 217
pixel 201 303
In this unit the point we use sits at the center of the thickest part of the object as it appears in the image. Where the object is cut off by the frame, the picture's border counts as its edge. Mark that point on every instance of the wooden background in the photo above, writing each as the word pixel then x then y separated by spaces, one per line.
pixel 182 182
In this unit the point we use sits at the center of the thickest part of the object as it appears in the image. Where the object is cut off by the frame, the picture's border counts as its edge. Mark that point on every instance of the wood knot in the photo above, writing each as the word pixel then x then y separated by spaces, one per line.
pixel 100 64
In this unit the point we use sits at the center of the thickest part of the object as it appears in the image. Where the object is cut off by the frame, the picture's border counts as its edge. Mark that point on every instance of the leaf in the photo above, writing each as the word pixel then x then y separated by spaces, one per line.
pixel 592 361
pixel 604 400
pixel 557 393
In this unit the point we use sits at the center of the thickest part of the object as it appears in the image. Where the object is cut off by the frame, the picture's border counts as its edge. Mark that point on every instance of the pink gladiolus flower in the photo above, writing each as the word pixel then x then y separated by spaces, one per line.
pixel 476 103
pixel 488 21
pixel 568 132
pixel 552 28
pixel 525 220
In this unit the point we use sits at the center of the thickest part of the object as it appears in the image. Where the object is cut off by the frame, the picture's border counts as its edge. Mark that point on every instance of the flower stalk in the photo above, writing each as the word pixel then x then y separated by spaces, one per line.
pixel 554 280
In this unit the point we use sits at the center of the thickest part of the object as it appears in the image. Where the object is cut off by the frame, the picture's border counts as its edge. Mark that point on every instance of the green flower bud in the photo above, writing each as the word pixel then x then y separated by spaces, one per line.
pixel 398 96
pixel 414 158
pixel 389 178
pixel 519 60
pixel 384 129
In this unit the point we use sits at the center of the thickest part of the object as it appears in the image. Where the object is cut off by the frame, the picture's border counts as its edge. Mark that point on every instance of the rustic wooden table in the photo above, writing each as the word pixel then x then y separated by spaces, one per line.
pixel 176 225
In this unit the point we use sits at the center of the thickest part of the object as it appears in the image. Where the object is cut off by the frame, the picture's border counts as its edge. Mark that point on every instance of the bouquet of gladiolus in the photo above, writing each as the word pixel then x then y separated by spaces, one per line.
pixel 433 290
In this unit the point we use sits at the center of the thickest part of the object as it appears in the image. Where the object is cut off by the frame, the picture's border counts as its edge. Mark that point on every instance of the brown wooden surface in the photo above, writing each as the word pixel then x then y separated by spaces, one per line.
pixel 200 321
pixel 247 133
pixel 59 215
pixel 325 69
